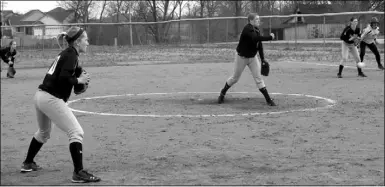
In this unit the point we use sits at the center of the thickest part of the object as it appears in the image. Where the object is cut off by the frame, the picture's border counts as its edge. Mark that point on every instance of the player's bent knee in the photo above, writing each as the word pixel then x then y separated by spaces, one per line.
pixel 42 137
pixel 76 135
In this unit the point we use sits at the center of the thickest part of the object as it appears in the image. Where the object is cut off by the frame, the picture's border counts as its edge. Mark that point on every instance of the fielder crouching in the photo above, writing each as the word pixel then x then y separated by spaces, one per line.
pixel 7 55
pixel 249 44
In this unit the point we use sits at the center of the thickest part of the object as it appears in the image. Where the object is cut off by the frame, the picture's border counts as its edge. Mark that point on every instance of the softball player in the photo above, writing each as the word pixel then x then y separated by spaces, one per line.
pixel 368 37
pixel 250 43
pixel 50 104
pixel 7 55
pixel 348 37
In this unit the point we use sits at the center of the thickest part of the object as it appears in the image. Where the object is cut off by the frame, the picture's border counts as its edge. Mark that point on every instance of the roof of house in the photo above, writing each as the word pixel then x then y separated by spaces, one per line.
pixel 60 14
pixel 7 13
pixel 31 12
pixel 15 19
pixel 318 9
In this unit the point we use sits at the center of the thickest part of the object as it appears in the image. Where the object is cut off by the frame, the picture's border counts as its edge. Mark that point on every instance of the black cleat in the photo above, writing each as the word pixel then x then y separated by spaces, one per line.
pixel 271 103
pixel 380 67
pixel 83 177
pixel 28 167
pixel 221 99
pixel 339 75
pixel 362 75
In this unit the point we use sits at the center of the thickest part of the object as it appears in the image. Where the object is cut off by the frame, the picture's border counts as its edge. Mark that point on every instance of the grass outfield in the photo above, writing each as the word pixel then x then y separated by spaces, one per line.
pixel 197 53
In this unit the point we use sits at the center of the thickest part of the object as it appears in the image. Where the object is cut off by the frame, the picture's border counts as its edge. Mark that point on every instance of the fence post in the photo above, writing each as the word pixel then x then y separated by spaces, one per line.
pixel 131 42
pixel 324 30
pixel 191 25
pixel 270 26
pixel 116 43
pixel 295 32
pixel 208 31
pixel 42 35
pixel 227 29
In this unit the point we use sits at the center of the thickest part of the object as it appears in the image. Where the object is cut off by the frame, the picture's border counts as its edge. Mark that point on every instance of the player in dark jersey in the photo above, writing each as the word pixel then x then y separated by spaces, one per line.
pixel 249 44
pixel 7 55
pixel 348 37
pixel 51 107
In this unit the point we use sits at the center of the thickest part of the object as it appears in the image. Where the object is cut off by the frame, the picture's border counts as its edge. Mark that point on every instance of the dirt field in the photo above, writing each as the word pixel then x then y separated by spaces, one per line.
pixel 338 145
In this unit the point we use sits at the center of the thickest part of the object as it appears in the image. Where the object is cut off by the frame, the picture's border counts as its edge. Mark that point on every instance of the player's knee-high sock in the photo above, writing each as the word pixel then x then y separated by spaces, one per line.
pixel 265 94
pixel 359 71
pixel 340 69
pixel 76 149
pixel 225 88
pixel 33 149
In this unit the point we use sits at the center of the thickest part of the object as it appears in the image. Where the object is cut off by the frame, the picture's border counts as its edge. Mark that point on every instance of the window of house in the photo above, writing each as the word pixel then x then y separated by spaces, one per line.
pixel 28 30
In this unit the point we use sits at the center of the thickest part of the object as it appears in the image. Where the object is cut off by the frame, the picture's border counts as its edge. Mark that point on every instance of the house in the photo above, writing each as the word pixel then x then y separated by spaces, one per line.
pixel 311 27
pixel 23 24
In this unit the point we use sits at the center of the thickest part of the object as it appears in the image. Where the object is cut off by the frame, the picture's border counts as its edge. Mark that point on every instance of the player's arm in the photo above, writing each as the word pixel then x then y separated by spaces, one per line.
pixel 365 32
pixel 13 56
pixel 260 51
pixel 67 72
pixel 256 38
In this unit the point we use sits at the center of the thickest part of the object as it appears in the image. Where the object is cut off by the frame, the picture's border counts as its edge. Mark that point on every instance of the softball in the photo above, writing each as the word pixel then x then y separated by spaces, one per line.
pixel 360 64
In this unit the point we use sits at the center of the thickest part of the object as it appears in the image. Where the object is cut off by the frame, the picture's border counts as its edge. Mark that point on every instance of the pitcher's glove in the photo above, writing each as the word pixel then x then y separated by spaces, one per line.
pixel 80 88
pixel 265 68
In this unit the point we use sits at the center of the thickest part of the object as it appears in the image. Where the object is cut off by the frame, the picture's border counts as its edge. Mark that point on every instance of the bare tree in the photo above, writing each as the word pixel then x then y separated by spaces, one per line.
pixel 81 8
pixel 102 11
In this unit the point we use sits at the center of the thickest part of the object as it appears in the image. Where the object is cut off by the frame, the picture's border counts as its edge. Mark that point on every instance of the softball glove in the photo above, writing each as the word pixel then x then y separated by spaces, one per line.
pixel 265 68
pixel 80 88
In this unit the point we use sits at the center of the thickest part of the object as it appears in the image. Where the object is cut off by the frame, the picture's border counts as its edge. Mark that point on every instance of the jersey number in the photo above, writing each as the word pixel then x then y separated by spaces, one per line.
pixel 53 66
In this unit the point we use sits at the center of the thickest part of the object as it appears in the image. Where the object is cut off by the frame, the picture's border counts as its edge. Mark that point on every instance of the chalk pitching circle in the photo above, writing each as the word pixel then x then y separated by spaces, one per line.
pixel 330 101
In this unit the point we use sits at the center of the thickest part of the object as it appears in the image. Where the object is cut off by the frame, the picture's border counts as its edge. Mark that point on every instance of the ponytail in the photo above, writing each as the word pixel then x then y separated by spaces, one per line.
pixel 63 37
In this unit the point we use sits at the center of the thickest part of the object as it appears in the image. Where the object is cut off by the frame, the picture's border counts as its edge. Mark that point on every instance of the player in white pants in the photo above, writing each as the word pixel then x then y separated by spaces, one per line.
pixel 348 37
pixel 249 44
pixel 51 107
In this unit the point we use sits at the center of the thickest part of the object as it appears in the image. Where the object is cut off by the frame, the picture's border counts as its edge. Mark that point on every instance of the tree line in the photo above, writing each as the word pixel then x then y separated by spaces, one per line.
pixel 164 10
pixel 155 10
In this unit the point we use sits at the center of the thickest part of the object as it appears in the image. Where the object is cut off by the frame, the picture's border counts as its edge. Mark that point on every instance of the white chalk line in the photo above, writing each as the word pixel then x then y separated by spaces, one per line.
pixel 331 65
pixel 330 101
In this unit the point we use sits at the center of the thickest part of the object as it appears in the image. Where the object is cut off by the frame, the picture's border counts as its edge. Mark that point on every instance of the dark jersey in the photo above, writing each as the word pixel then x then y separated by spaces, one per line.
pixel 6 54
pixel 60 78
pixel 249 41
pixel 348 32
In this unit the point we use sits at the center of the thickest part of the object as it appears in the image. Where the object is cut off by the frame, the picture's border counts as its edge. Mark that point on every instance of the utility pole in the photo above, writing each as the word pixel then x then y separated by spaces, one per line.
pixel 2 3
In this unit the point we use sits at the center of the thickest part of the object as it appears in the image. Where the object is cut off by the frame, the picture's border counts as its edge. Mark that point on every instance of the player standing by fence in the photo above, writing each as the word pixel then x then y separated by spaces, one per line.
pixel 350 38
pixel 8 54
pixel 248 46
pixel 369 38
pixel 50 104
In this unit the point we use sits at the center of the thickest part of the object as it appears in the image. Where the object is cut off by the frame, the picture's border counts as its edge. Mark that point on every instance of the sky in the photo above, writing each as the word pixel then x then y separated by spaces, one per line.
pixel 25 6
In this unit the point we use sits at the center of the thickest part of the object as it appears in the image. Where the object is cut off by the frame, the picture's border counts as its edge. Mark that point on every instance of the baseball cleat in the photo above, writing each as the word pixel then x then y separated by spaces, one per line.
pixel 339 75
pixel 271 103
pixel 362 75
pixel 83 177
pixel 221 99
pixel 9 76
pixel 28 167
pixel 380 67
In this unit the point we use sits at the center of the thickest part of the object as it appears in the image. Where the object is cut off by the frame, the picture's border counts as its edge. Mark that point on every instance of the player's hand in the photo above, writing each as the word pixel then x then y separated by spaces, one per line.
pixel 272 35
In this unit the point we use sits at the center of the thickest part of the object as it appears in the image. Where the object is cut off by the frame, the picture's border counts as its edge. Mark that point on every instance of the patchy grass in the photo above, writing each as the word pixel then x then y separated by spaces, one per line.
pixel 197 53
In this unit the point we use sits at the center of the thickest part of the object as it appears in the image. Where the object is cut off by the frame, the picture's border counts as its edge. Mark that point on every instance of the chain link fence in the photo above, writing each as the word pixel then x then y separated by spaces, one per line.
pixel 324 27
